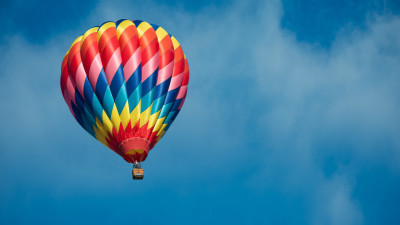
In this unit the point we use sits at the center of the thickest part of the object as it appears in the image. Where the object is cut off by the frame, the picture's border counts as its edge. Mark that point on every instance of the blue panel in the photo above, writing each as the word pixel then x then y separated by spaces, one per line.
pixel 172 120
pixel 134 98
pixel 174 117
pixel 81 118
pixel 169 117
pixel 121 99
pixel 147 100
pixel 134 80
pixel 90 117
pixel 79 100
pixel 149 83
pixel 77 113
pixel 176 104
pixel 162 88
pixel 137 22
pixel 88 92
pixel 101 86
pixel 117 81
pixel 165 110
pixel 108 102
pixel 155 27
pixel 157 104
pixel 87 125
pixel 171 95
pixel 97 108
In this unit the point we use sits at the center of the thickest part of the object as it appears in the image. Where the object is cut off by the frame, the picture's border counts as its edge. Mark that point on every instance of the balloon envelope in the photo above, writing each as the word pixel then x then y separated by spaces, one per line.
pixel 125 83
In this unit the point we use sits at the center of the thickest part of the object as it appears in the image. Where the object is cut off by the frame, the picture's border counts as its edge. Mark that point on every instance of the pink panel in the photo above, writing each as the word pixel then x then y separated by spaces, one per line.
pixel 113 64
pixel 180 106
pixel 182 92
pixel 176 81
pixel 132 64
pixel 94 70
pixel 150 66
pixel 71 89
pixel 165 73
pixel 80 79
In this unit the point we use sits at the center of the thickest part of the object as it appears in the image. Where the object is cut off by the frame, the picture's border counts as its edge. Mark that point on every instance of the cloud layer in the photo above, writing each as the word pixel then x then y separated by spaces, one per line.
pixel 275 129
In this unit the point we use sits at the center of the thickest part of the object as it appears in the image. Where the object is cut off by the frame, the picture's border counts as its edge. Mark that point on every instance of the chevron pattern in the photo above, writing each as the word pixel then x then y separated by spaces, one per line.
pixel 125 82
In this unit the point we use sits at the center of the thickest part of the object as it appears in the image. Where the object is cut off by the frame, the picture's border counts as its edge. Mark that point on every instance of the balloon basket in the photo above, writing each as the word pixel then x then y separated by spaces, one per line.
pixel 137 173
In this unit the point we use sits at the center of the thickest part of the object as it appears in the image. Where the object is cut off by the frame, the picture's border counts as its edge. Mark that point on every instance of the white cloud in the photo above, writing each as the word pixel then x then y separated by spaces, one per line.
pixel 334 204
pixel 326 103
pixel 257 97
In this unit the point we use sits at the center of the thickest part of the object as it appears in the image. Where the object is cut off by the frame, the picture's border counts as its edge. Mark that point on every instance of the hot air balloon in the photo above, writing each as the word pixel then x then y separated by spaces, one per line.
pixel 125 82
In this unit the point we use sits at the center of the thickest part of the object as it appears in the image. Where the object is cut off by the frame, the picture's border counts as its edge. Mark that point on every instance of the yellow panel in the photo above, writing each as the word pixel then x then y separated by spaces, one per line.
pixel 103 28
pixel 143 27
pixel 122 26
pixel 107 123
pixel 104 142
pixel 161 33
pixel 153 119
pixel 76 40
pixel 161 131
pixel 125 116
pixel 160 136
pixel 98 135
pixel 175 42
pixel 132 152
pixel 115 118
pixel 144 116
pixel 89 32
pixel 135 114
pixel 100 127
pixel 159 123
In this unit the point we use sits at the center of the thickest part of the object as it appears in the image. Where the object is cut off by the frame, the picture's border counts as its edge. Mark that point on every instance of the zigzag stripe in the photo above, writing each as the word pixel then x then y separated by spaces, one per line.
pixel 173 90
pixel 150 62
pixel 92 63
pixel 94 68
pixel 80 109
pixel 164 76
pixel 111 58
pixel 177 105
pixel 125 79
pixel 84 91
pixel 81 80
pixel 131 60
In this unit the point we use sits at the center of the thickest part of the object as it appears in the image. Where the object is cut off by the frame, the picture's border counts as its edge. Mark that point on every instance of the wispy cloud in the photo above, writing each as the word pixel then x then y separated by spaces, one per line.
pixel 283 114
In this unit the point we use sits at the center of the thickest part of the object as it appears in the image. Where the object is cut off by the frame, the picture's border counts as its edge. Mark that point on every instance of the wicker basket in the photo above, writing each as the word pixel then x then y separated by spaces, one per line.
pixel 137 173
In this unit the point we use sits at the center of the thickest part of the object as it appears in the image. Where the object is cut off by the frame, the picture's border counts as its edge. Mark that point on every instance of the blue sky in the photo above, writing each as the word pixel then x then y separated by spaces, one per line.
pixel 292 117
